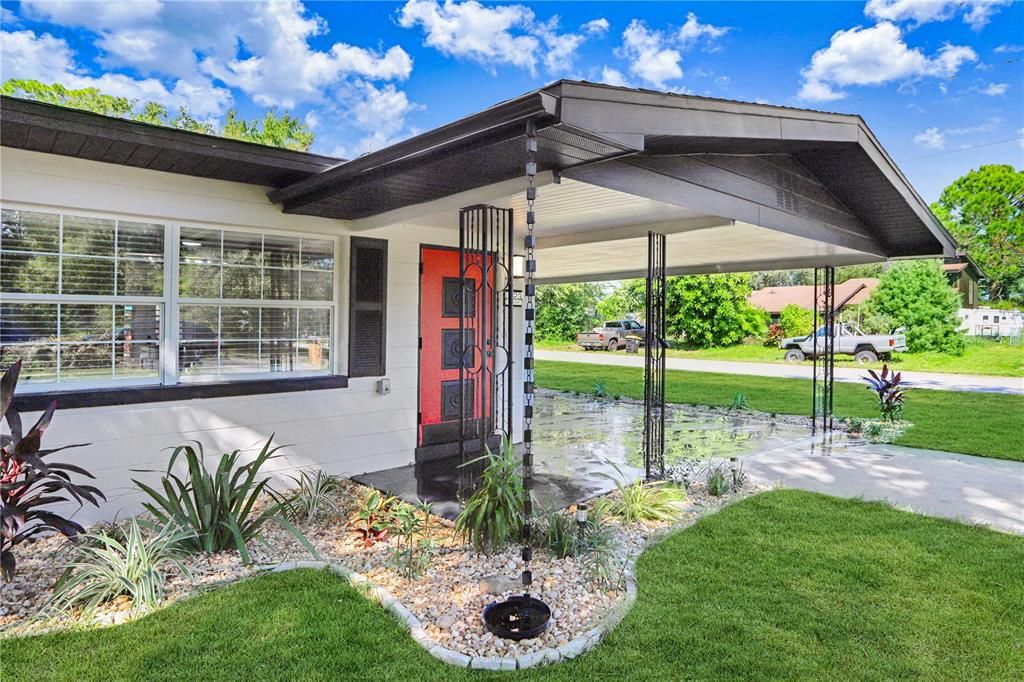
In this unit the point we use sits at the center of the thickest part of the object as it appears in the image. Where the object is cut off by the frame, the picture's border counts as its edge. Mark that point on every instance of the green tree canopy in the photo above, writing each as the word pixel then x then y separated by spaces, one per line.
pixel 628 296
pixel 916 295
pixel 563 310
pixel 984 210
pixel 713 310
pixel 277 130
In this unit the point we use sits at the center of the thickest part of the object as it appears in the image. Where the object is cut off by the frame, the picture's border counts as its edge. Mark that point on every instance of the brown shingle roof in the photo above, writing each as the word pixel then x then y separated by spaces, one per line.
pixel 774 299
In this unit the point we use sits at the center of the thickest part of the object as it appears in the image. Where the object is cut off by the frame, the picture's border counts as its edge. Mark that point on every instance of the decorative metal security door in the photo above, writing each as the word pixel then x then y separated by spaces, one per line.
pixel 485 371
pixel 654 359
pixel 824 356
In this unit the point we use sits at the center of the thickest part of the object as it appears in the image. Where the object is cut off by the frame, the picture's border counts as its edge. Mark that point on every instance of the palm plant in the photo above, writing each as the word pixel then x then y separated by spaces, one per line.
pixel 493 515
pixel 29 485
pixel 219 507
pixel 889 392
pixel 103 566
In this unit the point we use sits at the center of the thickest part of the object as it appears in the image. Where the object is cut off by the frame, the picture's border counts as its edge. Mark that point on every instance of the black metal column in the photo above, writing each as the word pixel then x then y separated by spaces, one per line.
pixel 824 355
pixel 654 359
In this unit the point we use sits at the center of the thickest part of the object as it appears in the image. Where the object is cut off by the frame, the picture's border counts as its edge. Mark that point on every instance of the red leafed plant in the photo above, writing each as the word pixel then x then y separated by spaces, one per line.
pixel 28 485
pixel 889 392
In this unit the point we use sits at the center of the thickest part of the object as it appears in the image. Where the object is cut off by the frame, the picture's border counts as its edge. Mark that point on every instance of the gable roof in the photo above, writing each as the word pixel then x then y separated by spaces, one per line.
pixel 52 129
pixel 829 165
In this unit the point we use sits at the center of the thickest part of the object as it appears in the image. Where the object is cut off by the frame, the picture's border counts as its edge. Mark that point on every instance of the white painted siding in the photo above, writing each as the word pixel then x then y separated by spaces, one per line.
pixel 343 431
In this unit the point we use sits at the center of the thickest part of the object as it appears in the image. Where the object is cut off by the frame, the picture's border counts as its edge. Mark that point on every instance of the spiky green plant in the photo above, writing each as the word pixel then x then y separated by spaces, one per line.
pixel 641 500
pixel 219 507
pixel 314 496
pixel 493 515
pixel 103 566
pixel 717 481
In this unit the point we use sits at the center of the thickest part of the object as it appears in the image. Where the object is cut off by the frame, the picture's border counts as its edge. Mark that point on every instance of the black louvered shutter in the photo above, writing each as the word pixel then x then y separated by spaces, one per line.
pixel 368 307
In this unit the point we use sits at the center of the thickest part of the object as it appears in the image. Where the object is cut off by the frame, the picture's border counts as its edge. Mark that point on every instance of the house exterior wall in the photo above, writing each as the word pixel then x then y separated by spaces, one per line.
pixel 343 431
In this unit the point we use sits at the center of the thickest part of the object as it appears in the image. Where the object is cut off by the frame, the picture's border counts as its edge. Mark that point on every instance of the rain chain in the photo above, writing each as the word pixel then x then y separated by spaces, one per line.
pixel 530 242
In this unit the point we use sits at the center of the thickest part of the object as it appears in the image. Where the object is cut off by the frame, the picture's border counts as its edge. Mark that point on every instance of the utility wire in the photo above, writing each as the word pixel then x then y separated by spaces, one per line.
pixel 964 149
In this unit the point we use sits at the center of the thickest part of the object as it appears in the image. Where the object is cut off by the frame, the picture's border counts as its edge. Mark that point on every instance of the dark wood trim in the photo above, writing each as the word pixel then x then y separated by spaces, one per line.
pixel 30 402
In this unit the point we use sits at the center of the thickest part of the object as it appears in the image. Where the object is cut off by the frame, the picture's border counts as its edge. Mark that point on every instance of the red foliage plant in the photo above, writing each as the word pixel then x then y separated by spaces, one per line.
pixel 29 486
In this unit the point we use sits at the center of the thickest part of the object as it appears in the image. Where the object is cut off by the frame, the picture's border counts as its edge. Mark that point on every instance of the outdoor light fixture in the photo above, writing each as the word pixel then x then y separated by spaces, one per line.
pixel 581 520
pixel 518 267
pixel 191 243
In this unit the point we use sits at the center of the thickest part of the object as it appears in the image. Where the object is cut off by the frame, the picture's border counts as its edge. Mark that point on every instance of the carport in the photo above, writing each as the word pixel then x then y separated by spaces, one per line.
pixel 591 182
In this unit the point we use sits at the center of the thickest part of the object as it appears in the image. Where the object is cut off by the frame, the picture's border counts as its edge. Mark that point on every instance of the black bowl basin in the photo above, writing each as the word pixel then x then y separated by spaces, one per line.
pixel 517 618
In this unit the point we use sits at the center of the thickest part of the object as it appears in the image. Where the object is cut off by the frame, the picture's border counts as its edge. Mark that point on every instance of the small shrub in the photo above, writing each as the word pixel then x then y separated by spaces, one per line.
pixel 315 496
pixel 373 517
pixel 601 562
pixel 642 501
pixel 104 566
pixel 877 430
pixel 774 336
pixel 30 486
pixel 414 547
pixel 493 515
pixel 600 390
pixel 888 391
pixel 739 401
pixel 217 507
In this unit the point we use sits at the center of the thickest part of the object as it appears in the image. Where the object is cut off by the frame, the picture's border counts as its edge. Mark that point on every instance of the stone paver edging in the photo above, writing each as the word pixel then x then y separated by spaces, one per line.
pixel 574 648
pixel 588 640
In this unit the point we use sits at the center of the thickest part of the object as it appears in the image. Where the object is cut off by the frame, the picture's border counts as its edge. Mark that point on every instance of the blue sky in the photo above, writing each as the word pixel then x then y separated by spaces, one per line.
pixel 933 78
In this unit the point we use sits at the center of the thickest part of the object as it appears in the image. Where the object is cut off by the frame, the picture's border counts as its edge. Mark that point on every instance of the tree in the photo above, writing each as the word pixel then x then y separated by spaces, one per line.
pixel 563 310
pixel 628 296
pixel 796 321
pixel 713 310
pixel 916 295
pixel 984 210
pixel 273 129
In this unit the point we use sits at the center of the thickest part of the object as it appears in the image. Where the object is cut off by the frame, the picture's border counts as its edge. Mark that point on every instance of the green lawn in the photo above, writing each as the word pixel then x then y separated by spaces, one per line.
pixel 985 424
pixel 786 584
pixel 981 357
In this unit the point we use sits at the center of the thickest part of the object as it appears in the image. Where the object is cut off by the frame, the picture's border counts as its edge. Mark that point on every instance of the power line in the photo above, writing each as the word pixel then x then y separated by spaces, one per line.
pixel 964 149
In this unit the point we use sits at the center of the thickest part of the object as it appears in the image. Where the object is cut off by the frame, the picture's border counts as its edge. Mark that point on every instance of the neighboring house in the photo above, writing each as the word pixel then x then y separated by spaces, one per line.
pixel 964 275
pixel 164 285
pixel 773 299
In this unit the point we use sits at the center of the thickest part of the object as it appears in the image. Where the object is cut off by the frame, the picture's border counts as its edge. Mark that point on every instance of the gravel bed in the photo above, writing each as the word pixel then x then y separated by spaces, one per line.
pixel 448 598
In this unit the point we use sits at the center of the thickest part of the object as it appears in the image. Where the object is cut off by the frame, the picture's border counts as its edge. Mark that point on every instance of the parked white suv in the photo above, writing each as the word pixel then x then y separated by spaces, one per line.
pixel 850 340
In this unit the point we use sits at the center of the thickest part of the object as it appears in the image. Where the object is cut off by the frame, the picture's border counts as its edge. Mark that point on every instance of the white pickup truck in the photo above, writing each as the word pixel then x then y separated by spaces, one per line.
pixel 610 336
pixel 850 340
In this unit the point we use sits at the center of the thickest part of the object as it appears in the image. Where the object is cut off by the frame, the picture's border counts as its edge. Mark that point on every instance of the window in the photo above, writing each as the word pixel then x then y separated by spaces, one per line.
pixel 89 301
pixel 81 298
pixel 253 303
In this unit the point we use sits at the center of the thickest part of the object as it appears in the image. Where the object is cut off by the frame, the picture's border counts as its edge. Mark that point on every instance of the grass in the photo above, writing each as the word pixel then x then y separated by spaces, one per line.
pixel 984 424
pixel 786 584
pixel 982 356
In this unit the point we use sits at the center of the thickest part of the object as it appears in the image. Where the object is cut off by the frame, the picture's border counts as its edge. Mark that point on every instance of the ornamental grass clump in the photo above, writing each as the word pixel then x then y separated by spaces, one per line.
pixel 103 566
pixel 218 507
pixel 316 496
pixel 493 515
pixel 642 500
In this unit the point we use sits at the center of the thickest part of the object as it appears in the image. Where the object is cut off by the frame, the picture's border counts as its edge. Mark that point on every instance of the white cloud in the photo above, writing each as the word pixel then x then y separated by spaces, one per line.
pixel 874 56
pixel 932 138
pixel 271 51
pixel 655 57
pixel 614 77
pixel 1008 48
pixel 46 58
pixel 596 27
pixel 382 111
pixel 977 13
pixel 990 125
pixel 496 35
pixel 995 89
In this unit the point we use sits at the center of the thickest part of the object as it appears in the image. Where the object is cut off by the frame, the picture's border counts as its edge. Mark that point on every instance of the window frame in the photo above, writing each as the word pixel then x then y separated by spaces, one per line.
pixel 169 379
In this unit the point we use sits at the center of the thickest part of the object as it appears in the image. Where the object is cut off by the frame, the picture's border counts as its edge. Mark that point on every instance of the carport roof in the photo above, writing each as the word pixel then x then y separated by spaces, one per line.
pixel 794 170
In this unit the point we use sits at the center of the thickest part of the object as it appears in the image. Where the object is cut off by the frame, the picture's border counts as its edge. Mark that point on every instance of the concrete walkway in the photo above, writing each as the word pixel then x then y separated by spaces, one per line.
pixel 933 380
pixel 961 487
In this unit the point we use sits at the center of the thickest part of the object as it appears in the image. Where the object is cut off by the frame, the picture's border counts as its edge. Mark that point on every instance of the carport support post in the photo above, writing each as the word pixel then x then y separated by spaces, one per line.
pixel 824 350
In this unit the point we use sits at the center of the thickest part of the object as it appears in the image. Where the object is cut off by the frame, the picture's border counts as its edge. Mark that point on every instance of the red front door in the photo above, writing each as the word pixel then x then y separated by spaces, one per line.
pixel 444 347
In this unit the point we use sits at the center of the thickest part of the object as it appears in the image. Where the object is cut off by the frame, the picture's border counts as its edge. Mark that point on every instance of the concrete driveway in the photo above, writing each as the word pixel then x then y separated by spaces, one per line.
pixel 933 380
